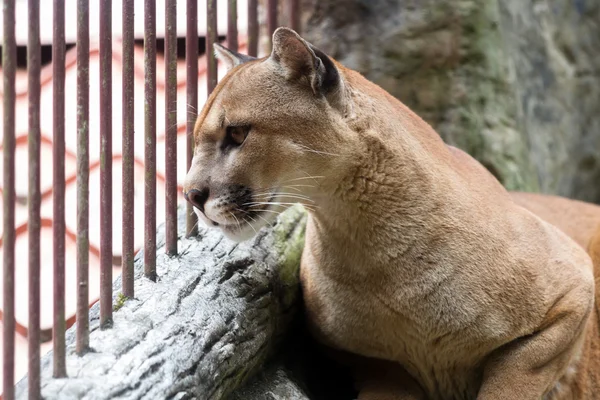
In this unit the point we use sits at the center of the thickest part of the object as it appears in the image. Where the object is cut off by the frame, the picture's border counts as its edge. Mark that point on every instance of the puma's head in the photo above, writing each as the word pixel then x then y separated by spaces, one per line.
pixel 267 137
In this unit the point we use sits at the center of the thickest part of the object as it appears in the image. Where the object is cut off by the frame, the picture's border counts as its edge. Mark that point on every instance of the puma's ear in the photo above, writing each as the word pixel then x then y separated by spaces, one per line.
pixel 230 58
pixel 300 59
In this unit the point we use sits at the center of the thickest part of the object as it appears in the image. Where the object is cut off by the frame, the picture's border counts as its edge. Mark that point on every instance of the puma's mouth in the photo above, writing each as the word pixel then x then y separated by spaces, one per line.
pixel 247 219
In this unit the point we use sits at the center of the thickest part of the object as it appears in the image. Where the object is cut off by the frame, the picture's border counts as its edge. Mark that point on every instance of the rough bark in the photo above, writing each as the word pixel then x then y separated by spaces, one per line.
pixel 515 83
pixel 215 314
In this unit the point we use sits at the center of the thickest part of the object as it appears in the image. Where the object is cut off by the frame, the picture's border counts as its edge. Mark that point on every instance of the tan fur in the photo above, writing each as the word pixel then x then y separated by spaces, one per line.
pixel 577 219
pixel 415 255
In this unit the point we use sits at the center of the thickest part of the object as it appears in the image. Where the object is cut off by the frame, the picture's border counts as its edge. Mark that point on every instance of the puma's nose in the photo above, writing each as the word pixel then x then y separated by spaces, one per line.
pixel 197 197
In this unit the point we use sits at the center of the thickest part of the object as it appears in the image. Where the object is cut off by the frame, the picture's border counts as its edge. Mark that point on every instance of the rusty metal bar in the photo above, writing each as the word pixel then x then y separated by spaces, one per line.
pixel 9 65
pixel 83 168
pixel 105 164
pixel 34 201
pixel 191 59
pixel 171 127
pixel 58 172
pixel 150 139
pixel 271 18
pixel 211 38
pixel 294 14
pixel 253 28
pixel 128 154
pixel 232 29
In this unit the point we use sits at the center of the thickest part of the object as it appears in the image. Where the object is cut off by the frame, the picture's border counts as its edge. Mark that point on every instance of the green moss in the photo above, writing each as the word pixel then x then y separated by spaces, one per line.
pixel 488 124
pixel 289 238
pixel 120 302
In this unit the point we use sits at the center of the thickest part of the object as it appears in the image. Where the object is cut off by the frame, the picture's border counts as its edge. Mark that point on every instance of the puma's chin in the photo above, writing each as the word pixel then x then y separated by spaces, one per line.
pixel 234 233
pixel 238 231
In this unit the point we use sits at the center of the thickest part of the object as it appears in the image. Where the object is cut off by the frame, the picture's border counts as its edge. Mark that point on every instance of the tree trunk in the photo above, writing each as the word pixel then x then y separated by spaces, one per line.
pixel 217 311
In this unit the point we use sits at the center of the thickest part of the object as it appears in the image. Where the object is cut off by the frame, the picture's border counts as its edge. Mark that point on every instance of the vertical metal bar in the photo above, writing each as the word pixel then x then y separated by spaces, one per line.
pixel 83 168
pixel 271 18
pixel 9 64
pixel 191 55
pixel 150 136
pixel 294 13
pixel 58 169
pixel 105 164
pixel 34 201
pixel 211 38
pixel 232 30
pixel 128 142
pixel 33 53
pixel 171 127
pixel 253 28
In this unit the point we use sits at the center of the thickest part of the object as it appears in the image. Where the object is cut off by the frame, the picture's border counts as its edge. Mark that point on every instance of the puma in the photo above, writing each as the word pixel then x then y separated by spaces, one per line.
pixel 416 258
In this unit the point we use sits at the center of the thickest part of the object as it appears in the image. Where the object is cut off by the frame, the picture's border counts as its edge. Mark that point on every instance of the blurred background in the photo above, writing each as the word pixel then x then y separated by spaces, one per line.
pixel 515 83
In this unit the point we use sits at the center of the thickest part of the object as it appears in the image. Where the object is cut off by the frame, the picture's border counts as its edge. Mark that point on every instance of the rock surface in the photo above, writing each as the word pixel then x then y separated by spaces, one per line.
pixel 516 83
pixel 215 314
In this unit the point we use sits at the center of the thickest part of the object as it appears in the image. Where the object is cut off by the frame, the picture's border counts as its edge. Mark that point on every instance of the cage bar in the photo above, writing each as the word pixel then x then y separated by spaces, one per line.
pixel 34 200
pixel 232 29
pixel 171 127
pixel 271 18
pixel 83 168
pixel 9 65
pixel 191 59
pixel 128 154
pixel 150 139
pixel 253 28
pixel 294 14
pixel 58 172
pixel 34 196
pixel 211 38
pixel 105 163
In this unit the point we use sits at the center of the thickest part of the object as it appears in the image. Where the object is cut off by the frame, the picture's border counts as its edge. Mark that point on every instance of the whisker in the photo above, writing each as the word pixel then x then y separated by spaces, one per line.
pixel 256 204
pixel 247 215
pixel 291 196
pixel 297 186
pixel 271 211
pixel 237 220
pixel 266 221
pixel 305 177
pixel 246 221
pixel 308 149
pixel 281 193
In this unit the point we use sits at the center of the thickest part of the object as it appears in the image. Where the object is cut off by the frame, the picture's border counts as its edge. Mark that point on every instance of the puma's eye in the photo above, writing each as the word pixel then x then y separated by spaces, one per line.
pixel 235 135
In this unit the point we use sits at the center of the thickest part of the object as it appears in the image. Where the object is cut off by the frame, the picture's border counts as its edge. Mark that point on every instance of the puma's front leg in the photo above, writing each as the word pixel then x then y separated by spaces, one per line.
pixel 529 367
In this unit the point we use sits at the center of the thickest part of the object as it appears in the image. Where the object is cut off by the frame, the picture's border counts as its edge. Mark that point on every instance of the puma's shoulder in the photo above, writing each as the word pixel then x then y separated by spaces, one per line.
pixel 577 219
